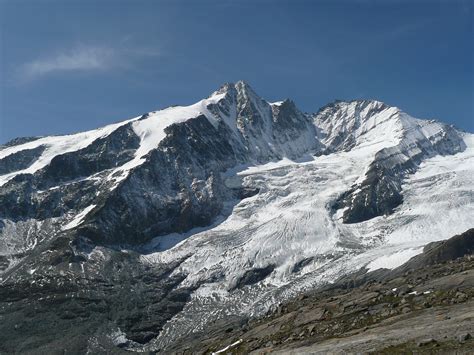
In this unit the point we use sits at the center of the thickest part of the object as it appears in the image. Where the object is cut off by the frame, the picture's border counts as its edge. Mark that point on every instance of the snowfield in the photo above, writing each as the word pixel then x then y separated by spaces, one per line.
pixel 288 222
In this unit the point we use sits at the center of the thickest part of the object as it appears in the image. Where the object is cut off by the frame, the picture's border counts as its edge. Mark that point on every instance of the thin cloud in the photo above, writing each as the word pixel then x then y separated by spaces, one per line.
pixel 84 58
pixel 78 59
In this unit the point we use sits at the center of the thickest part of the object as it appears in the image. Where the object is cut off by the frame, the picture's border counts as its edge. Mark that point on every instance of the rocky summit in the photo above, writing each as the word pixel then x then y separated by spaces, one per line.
pixel 238 224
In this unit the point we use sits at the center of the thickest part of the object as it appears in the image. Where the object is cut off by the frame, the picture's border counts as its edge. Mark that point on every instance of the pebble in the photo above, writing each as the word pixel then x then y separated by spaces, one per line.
pixel 463 337
pixel 426 342
pixel 406 310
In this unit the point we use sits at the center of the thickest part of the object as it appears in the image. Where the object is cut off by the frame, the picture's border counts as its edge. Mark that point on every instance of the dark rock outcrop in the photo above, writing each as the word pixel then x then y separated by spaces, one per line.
pixel 253 276
pixel 20 160
pixel 443 251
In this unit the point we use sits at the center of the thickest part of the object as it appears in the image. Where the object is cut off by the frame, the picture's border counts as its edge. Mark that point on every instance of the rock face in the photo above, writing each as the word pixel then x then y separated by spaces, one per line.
pixel 138 233
pixel 20 160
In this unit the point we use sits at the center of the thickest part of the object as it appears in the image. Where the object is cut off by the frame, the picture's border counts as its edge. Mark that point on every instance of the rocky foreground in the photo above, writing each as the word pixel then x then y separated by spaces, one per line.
pixel 424 306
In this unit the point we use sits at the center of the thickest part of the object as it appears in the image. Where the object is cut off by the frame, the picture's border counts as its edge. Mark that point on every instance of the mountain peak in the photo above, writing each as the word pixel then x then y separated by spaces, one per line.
pixel 359 104
pixel 242 84
pixel 226 87
pixel 239 86
pixel 344 124
pixel 245 90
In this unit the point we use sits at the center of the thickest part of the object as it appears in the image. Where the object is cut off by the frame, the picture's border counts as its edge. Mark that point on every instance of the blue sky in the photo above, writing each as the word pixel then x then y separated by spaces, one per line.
pixel 72 65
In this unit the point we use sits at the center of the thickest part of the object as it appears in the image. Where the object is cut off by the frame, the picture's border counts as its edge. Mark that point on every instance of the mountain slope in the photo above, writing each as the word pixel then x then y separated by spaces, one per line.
pixel 163 223
pixel 423 306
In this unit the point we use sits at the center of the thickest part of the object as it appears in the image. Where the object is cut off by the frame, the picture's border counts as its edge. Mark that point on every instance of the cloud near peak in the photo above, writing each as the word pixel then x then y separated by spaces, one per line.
pixel 79 58
pixel 83 58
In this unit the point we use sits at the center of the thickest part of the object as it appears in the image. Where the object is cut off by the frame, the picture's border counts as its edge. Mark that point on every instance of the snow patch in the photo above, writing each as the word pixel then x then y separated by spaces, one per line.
pixel 79 218
pixel 394 260
pixel 276 103
pixel 118 337
pixel 228 347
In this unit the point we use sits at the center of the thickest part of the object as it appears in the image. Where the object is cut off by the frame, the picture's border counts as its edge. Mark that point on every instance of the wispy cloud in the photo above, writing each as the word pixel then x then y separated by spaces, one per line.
pixel 76 59
pixel 83 58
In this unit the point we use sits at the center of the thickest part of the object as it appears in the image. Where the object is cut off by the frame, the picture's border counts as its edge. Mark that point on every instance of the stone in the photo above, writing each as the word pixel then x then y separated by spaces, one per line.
pixel 426 342
pixel 464 337
pixel 310 316
pixel 406 310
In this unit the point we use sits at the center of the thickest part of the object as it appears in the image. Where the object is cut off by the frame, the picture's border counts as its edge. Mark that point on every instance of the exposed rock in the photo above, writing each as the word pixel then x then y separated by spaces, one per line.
pixel 464 337
pixel 253 276
pixel 20 160
pixel 426 342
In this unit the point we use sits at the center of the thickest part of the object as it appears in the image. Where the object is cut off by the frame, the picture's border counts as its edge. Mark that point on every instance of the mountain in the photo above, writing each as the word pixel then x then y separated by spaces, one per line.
pixel 136 234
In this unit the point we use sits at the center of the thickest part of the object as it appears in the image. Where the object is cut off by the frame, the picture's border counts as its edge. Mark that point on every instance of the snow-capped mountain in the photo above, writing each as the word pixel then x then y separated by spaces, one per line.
pixel 146 230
